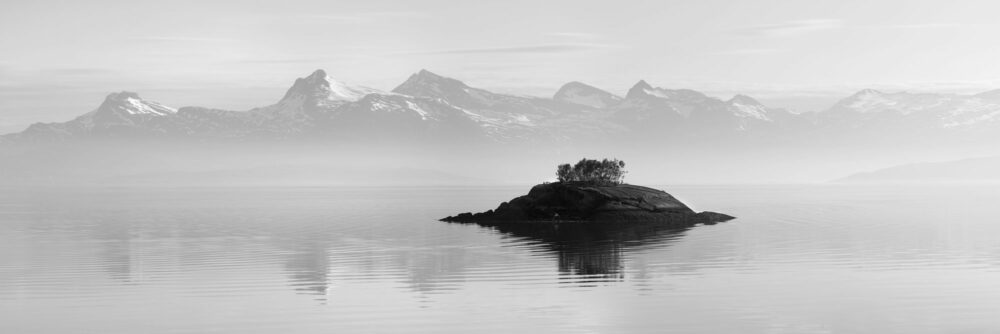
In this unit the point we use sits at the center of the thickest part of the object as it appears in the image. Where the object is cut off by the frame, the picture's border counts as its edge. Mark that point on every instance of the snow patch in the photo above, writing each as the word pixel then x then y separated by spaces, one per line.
pixel 751 111
pixel 343 92
pixel 413 106
pixel 656 93
pixel 135 106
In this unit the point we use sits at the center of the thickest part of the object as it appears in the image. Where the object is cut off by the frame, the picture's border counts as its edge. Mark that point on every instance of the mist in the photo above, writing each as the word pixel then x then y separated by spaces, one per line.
pixel 558 166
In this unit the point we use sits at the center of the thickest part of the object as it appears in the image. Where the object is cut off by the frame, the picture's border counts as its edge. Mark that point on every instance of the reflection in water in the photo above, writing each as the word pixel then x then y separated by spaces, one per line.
pixel 119 252
pixel 330 255
pixel 437 269
pixel 305 250
pixel 309 269
pixel 318 254
pixel 594 250
pixel 170 261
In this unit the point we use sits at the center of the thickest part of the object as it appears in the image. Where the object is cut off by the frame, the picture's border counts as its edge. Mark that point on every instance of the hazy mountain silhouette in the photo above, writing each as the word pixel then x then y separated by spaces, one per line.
pixel 432 120
pixel 425 105
pixel 967 170
pixel 431 106
pixel 583 94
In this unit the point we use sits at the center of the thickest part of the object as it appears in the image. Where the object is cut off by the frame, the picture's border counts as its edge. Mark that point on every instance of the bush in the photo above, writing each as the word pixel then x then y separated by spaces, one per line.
pixel 593 171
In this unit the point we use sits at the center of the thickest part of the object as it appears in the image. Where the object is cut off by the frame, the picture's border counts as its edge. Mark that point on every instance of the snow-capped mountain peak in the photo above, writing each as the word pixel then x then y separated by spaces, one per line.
pixel 580 93
pixel 933 109
pixel 867 92
pixel 643 89
pixel 427 84
pixel 870 100
pixel 748 107
pixel 640 89
pixel 129 103
pixel 321 86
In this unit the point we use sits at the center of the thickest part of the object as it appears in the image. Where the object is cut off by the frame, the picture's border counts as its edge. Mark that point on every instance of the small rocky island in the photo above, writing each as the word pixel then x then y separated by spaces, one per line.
pixel 593 191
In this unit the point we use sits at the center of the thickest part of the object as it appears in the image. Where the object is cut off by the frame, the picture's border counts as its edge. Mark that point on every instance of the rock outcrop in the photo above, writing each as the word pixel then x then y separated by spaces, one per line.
pixel 582 202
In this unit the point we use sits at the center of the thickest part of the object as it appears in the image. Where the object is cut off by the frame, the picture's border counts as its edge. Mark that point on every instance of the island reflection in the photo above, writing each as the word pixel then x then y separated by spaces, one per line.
pixel 592 251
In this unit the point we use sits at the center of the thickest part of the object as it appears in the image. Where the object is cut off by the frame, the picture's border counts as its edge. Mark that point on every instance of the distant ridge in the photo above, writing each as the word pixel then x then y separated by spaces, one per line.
pixel 976 170
pixel 583 94
pixel 432 107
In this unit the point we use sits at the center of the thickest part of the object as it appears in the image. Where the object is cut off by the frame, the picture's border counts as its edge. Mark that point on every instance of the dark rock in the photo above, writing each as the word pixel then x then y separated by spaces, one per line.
pixel 583 202
pixel 714 217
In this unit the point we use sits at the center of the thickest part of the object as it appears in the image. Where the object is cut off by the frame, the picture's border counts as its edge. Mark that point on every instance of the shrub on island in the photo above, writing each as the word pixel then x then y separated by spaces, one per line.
pixel 599 172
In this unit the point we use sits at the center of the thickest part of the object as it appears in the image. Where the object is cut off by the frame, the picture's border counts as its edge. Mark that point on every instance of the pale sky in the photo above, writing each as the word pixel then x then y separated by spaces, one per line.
pixel 58 59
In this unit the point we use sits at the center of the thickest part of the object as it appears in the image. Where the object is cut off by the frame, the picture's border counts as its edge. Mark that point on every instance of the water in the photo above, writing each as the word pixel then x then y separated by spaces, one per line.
pixel 799 259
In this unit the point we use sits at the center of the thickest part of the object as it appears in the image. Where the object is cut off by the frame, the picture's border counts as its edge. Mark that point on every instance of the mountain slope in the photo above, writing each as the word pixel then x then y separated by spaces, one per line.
pixel 121 114
pixel 509 118
pixel 868 108
pixel 314 106
pixel 692 113
pixel 583 94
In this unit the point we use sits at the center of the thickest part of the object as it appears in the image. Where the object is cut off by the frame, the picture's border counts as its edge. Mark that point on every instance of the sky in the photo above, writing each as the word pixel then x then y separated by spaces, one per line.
pixel 58 59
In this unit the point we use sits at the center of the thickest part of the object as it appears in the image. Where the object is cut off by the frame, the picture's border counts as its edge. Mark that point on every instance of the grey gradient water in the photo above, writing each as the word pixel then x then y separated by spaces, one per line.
pixel 799 259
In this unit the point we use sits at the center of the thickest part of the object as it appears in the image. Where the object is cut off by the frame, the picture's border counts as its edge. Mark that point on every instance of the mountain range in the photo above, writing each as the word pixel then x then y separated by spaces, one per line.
pixel 971 171
pixel 436 117
pixel 428 106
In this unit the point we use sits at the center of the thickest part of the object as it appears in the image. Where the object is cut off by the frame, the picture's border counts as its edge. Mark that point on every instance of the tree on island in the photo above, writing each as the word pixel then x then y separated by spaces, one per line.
pixel 605 172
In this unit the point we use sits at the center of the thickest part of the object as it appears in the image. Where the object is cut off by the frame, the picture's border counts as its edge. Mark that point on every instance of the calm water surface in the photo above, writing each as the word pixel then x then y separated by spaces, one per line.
pixel 799 259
